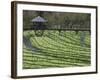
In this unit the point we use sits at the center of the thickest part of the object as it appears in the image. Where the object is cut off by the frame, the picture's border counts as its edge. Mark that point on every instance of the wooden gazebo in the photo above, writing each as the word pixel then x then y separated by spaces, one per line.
pixel 38 25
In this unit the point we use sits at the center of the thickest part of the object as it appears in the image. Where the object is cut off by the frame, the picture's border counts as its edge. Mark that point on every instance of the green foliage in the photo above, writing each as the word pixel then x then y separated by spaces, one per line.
pixel 57 19
pixel 54 50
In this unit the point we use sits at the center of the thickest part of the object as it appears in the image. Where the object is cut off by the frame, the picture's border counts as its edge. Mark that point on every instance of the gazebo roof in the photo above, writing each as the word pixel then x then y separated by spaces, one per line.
pixel 39 19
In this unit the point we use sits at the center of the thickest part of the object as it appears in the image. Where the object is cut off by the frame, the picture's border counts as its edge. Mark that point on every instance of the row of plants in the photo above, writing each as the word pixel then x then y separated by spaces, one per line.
pixel 54 50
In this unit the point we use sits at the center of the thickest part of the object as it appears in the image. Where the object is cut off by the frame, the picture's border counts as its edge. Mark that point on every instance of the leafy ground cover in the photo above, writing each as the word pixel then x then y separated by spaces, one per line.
pixel 54 50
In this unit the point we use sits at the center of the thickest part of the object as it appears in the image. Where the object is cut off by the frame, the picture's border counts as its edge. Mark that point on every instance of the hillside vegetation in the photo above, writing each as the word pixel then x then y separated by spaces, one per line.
pixel 54 50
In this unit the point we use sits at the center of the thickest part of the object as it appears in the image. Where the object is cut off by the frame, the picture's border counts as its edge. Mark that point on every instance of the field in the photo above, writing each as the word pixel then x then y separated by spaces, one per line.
pixel 54 50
